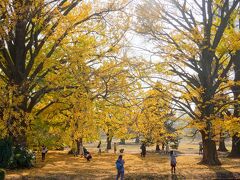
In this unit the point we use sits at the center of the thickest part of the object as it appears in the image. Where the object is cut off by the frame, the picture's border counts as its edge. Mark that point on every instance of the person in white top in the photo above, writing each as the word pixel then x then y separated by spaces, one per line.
pixel 44 152
pixel 173 161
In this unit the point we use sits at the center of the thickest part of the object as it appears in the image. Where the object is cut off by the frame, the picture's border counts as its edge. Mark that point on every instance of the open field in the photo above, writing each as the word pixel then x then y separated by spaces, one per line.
pixel 59 165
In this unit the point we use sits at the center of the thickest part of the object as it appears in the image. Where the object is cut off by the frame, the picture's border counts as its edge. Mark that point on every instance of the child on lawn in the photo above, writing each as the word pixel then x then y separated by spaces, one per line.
pixel 173 161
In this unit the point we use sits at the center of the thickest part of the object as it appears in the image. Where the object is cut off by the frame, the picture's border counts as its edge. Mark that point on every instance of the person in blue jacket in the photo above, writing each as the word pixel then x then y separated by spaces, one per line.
pixel 120 167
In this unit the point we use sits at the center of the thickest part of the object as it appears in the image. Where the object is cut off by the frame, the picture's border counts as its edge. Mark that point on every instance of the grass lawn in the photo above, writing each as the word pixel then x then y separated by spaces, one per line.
pixel 59 165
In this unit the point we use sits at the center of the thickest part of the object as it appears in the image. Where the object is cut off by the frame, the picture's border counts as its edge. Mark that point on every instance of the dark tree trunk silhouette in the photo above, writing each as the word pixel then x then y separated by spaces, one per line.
pixel 235 151
pixel 157 148
pixel 210 155
pixel 222 146
pixel 163 146
pixel 79 143
pixel 109 142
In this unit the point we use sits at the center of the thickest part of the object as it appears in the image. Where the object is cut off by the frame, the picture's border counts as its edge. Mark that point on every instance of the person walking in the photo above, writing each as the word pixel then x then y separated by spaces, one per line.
pixel 44 152
pixel 173 162
pixel 115 148
pixel 120 167
pixel 99 147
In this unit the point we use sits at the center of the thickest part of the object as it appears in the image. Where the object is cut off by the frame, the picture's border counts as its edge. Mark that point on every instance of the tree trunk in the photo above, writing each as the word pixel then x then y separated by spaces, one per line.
pixel 17 134
pixel 222 146
pixel 163 146
pixel 19 139
pixel 122 141
pixel 79 146
pixel 157 148
pixel 235 152
pixel 210 156
pixel 109 142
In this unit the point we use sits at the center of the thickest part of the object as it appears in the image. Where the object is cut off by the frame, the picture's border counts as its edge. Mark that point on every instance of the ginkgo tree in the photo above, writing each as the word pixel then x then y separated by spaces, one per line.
pixel 30 34
pixel 155 116
pixel 235 56
pixel 190 37
pixel 90 69
pixel 96 73
pixel 115 105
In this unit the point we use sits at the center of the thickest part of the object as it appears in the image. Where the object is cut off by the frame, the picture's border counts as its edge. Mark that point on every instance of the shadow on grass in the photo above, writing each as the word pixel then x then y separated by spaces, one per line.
pixel 149 177
pixel 93 177
pixel 62 166
pixel 222 173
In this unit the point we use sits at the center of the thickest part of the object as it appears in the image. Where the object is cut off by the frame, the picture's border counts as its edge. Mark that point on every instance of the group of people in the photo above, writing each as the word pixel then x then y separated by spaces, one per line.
pixel 86 153
pixel 100 150
pixel 120 162
pixel 166 149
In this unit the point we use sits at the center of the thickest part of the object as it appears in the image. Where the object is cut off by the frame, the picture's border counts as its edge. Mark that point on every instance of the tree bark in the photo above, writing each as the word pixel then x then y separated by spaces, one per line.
pixel 235 152
pixel 109 142
pixel 19 139
pixel 157 148
pixel 79 146
pixel 210 156
pixel 222 146
pixel 163 146
pixel 17 118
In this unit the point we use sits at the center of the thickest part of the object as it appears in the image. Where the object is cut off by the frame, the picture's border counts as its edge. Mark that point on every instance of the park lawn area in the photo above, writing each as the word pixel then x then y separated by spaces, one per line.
pixel 59 165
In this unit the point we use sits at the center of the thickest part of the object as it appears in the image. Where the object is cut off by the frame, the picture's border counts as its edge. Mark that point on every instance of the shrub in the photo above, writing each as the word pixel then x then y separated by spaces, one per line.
pixel 14 157
pixel 2 174
pixel 5 152
pixel 21 158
